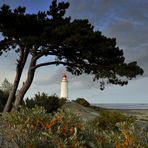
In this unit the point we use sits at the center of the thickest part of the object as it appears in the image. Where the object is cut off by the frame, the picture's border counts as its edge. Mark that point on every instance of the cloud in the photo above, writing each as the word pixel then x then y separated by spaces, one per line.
pixel 31 6
pixel 75 82
pixel 126 21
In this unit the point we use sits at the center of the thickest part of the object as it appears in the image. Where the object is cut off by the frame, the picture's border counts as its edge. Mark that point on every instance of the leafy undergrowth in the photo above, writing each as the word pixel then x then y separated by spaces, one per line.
pixel 33 128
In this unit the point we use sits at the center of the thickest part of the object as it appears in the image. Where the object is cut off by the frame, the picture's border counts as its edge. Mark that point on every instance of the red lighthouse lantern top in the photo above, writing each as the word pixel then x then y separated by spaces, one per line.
pixel 64 77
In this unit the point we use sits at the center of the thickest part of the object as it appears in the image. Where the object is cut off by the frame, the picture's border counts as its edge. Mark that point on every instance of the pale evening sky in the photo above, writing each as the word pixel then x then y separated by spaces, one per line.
pixel 127 21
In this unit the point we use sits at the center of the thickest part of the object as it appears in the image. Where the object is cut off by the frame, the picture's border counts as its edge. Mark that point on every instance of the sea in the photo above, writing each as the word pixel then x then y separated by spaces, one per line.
pixel 123 105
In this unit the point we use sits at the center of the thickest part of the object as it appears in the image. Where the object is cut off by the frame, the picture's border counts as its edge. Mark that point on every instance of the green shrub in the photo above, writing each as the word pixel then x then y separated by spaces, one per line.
pixel 109 119
pixel 50 103
pixel 25 127
pixel 68 130
pixel 65 130
pixel 82 101
pixel 33 128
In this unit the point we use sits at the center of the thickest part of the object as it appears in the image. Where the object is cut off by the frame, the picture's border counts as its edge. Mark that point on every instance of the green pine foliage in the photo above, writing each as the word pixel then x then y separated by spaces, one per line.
pixel 24 127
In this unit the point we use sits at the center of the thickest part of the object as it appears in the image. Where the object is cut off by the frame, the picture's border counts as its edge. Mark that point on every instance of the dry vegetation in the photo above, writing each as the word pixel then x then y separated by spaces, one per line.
pixel 35 127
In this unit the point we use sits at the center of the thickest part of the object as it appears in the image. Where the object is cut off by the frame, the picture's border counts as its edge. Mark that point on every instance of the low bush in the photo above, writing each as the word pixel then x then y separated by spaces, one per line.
pixel 25 127
pixel 108 120
pixel 82 101
pixel 34 128
pixel 50 103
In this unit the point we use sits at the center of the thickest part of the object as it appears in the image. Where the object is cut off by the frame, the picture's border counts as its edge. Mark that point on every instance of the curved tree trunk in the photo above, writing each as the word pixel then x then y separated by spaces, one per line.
pixel 11 97
pixel 19 69
pixel 26 85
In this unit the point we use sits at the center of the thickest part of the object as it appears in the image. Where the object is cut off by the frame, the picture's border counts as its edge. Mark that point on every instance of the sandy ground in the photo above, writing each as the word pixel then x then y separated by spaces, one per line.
pixel 90 114
pixel 84 112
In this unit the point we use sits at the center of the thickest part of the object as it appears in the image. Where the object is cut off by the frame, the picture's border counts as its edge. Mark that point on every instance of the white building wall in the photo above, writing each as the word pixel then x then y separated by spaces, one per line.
pixel 64 89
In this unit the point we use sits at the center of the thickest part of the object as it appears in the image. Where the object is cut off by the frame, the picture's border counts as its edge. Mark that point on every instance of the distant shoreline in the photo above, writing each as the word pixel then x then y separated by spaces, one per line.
pixel 123 106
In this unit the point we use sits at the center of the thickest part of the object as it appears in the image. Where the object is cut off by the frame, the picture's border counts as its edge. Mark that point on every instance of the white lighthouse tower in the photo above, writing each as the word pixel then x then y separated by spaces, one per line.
pixel 64 87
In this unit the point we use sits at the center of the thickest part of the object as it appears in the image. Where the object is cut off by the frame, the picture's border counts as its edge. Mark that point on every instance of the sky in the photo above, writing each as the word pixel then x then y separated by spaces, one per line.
pixel 127 21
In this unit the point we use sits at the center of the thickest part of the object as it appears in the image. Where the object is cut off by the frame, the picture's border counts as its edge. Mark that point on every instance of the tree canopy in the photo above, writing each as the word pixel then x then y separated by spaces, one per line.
pixel 74 44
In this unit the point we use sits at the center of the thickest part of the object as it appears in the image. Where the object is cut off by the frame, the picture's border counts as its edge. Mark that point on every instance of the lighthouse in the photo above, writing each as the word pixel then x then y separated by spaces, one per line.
pixel 64 87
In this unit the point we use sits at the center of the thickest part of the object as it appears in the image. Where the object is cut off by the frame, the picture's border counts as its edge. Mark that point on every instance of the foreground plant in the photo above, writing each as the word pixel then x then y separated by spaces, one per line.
pixel 32 128
pixel 25 127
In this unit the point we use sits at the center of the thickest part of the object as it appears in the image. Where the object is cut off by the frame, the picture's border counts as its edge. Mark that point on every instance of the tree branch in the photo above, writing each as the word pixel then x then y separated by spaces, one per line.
pixel 50 63
pixel 43 52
